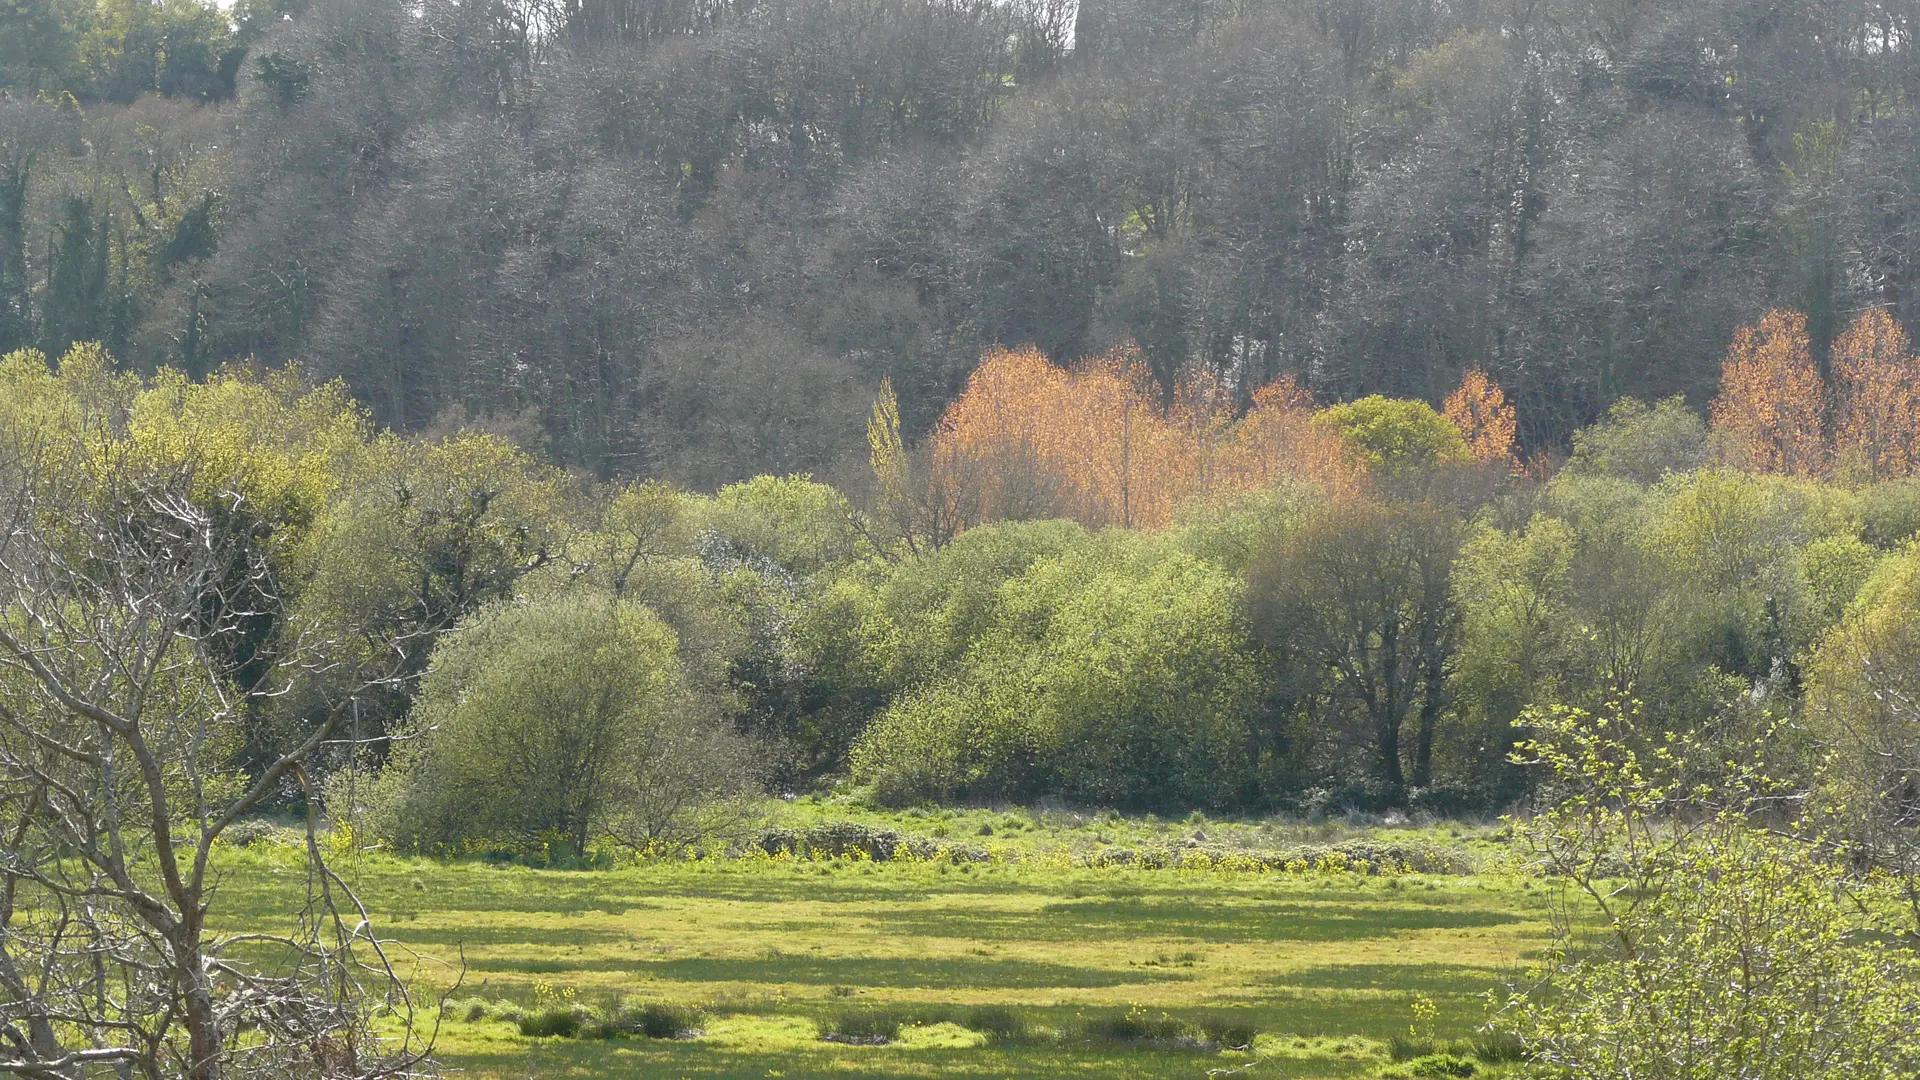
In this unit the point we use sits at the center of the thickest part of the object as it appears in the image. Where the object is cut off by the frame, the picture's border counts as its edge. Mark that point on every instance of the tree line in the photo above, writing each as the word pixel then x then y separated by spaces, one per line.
pixel 689 240
pixel 1066 590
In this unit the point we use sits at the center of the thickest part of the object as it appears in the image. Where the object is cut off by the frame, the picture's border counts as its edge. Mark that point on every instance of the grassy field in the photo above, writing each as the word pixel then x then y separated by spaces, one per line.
pixel 1101 967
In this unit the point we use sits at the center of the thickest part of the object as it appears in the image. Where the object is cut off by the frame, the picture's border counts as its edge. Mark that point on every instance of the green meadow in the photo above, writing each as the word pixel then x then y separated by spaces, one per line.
pixel 1022 965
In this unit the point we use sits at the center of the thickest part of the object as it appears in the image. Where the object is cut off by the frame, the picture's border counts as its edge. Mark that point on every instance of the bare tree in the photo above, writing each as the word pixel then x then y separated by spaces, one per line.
pixel 130 595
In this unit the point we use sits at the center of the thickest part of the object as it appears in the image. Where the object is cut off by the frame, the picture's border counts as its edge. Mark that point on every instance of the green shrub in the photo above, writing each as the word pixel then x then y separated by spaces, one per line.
pixel 1115 675
pixel 661 1020
pixel 1890 513
pixel 560 1021
pixel 1640 442
pixel 1433 1067
pixel 543 725
pixel 1396 434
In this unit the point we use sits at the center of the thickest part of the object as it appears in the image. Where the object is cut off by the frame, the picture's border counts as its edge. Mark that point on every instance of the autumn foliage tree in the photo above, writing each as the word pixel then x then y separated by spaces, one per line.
pixel 1768 415
pixel 1480 409
pixel 1877 406
pixel 1031 439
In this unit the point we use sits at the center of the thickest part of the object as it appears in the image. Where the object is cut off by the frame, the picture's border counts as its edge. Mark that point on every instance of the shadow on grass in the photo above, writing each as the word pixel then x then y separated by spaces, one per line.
pixel 1404 979
pixel 514 935
pixel 698 1061
pixel 931 974
pixel 1112 920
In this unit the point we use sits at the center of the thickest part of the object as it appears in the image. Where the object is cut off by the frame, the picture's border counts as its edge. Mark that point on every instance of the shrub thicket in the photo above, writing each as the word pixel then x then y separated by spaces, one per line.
pixel 553 723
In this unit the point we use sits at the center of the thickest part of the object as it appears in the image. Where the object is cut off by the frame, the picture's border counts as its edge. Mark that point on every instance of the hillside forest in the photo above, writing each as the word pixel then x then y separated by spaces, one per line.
pixel 688 240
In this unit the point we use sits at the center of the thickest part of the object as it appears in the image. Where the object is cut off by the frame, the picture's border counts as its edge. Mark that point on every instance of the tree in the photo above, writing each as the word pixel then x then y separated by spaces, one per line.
pixel 1479 408
pixel 1360 594
pixel 914 507
pixel 1029 439
pixel 1111 674
pixel 77 294
pixel 1513 590
pixel 1863 701
pixel 1396 436
pixel 130 665
pixel 1726 947
pixel 424 534
pixel 1769 411
pixel 1877 381
pixel 23 126
pixel 1641 443
pixel 550 725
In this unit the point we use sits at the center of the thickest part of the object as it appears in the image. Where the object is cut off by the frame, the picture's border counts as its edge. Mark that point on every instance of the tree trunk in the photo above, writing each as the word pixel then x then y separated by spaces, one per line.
pixel 1432 700
pixel 196 1003
pixel 1386 712
pixel 1387 725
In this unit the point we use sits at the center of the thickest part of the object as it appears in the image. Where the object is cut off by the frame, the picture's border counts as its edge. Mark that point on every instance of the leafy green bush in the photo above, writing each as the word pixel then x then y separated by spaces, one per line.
pixel 1726 949
pixel 558 1021
pixel 1641 443
pixel 880 630
pixel 543 726
pixel 1396 434
pixel 1890 513
pixel 1118 675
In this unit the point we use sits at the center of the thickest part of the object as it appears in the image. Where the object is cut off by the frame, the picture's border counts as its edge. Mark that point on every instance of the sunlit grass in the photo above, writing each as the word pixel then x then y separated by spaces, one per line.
pixel 1324 966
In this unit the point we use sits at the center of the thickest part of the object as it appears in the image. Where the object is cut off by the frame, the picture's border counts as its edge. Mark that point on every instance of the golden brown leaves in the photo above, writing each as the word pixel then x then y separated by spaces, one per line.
pixel 1877 417
pixel 1030 439
pixel 1768 414
pixel 1479 408
pixel 1771 412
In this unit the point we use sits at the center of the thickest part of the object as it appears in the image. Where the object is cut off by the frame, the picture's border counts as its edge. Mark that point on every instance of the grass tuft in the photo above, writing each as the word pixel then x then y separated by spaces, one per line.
pixel 560 1021
pixel 1433 1067
pixel 863 1027
pixel 1000 1025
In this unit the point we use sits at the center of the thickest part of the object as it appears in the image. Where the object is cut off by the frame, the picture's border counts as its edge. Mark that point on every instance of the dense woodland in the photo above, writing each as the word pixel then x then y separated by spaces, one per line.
pixel 688 240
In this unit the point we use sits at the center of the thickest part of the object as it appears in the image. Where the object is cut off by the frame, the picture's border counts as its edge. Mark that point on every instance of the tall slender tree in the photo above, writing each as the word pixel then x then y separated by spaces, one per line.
pixel 1877 386
pixel 1768 414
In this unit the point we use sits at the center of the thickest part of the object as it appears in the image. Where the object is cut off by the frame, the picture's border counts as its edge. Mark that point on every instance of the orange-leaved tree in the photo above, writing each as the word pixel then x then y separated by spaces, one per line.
pixel 1480 409
pixel 1030 439
pixel 1278 439
pixel 1877 386
pixel 995 442
pixel 1768 415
